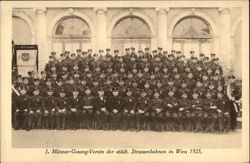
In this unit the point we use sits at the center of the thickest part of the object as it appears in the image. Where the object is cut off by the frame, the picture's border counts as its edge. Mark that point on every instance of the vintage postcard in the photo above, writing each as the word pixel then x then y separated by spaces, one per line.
pixel 124 81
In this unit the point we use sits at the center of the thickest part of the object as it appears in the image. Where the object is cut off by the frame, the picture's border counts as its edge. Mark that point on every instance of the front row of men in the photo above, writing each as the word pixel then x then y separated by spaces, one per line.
pixel 121 112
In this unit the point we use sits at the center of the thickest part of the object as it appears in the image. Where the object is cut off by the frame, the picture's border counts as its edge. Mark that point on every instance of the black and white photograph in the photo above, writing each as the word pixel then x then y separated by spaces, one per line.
pixel 139 75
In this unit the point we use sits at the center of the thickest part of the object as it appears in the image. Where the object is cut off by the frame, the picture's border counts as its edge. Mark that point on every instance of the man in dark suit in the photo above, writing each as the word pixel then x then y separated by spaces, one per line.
pixel 101 111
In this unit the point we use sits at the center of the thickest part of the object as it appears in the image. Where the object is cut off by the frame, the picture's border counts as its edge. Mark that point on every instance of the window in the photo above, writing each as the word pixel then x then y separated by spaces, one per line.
pixel 70 34
pixel 71 27
pixel 131 32
pixel 193 33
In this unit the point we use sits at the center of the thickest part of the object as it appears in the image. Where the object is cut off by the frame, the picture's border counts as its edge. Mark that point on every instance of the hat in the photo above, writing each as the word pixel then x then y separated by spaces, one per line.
pixel 50 90
pixel 23 88
pixel 171 90
pixel 156 92
pixel 29 73
pixel 75 90
pixel 107 50
pixel 232 77
pixel 64 65
pixel 206 58
pixel 115 89
pixel 24 77
pixel 36 89
pixel 89 50
pixel 184 81
pixel 213 54
pixel 62 91
pixel 100 89
pixel 178 52
pixel 48 79
pixel 132 48
pixel 183 93
pixel 159 48
pixel 170 55
pixel 146 48
pixel 195 92
pixel 72 54
pixel 202 55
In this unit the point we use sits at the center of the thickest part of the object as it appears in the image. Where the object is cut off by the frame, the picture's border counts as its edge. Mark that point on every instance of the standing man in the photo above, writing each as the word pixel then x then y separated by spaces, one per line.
pixel 234 96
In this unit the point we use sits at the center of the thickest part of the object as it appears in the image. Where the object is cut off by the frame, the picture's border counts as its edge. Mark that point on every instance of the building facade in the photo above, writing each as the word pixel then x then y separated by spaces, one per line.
pixel 203 29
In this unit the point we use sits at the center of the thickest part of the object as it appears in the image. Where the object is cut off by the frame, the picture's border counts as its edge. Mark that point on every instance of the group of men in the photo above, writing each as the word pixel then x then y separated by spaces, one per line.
pixel 141 90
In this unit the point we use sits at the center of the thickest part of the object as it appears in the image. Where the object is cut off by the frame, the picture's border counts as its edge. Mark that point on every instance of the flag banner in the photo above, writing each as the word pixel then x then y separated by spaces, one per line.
pixel 26 55
pixel 26 58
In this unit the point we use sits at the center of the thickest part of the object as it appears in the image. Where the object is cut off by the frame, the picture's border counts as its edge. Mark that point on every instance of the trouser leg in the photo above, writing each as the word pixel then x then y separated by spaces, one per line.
pixel 220 122
pixel 52 120
pixel 31 121
pixel 16 120
pixel 58 121
pixel 125 122
pixel 64 121
pixel 46 121
pixel 39 120
pixel 233 119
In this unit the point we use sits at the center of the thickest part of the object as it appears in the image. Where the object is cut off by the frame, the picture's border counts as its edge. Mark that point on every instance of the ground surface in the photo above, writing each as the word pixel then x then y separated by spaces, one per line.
pixel 119 139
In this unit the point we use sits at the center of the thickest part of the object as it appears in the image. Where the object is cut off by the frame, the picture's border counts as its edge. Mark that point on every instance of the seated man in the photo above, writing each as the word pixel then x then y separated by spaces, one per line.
pixel 184 113
pixel 196 111
pixel 48 107
pixel 171 106
pixel 210 114
pixel 157 112
pixel 35 110
pixel 87 110
pixel 21 111
pixel 74 104
pixel 115 109
pixel 101 111
pixel 128 115
pixel 223 113
pixel 143 112
pixel 61 109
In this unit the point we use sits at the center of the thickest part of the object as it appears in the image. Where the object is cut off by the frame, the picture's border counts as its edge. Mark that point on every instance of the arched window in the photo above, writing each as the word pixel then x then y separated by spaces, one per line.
pixel 131 31
pixel 71 33
pixel 21 31
pixel 192 33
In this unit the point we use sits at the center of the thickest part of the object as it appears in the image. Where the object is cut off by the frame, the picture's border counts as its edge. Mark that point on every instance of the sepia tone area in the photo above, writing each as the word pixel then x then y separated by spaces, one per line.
pixel 161 77
pixel 120 139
